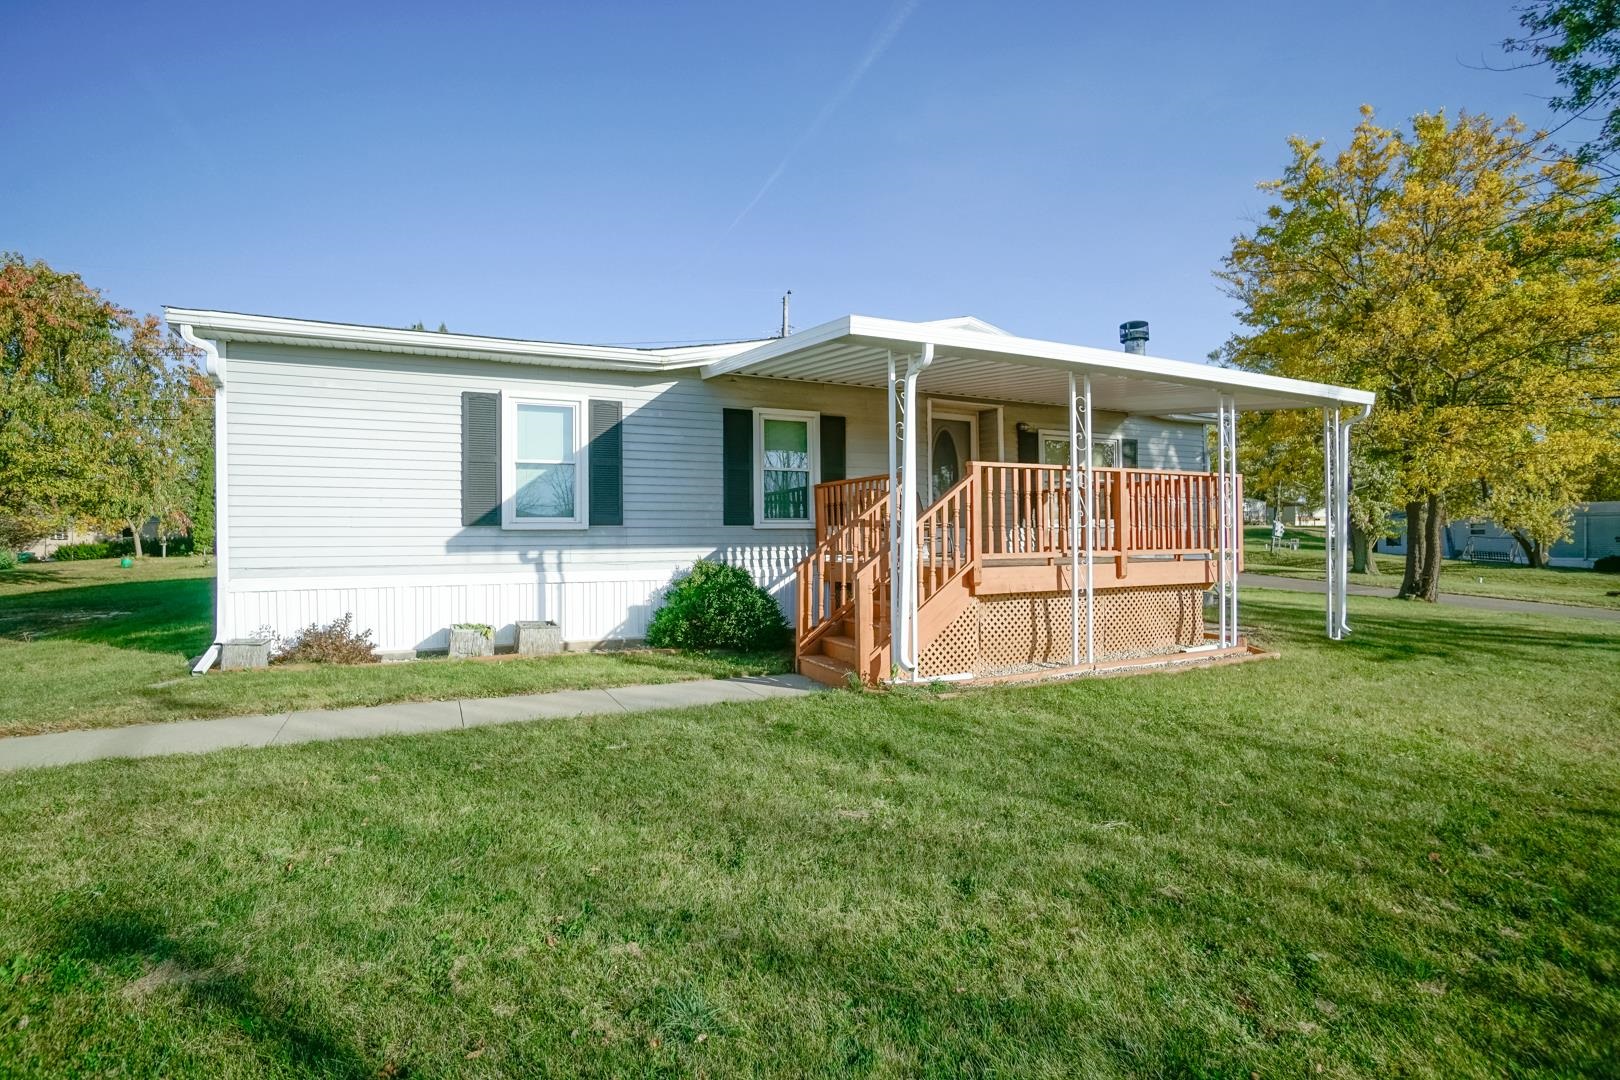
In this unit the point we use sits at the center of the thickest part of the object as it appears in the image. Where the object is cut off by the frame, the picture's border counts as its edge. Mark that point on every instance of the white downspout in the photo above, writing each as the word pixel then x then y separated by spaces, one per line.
pixel 214 369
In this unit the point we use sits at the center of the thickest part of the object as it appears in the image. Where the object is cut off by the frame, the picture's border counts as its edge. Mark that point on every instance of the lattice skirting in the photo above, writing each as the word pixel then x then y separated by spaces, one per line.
pixel 997 632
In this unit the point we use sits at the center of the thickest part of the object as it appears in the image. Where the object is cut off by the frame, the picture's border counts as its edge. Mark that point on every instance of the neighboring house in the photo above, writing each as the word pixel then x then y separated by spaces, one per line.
pixel 68 534
pixel 422 479
pixel 1594 533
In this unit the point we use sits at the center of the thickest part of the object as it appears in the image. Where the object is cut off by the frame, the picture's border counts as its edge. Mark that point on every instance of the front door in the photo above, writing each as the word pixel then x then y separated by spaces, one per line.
pixel 951 439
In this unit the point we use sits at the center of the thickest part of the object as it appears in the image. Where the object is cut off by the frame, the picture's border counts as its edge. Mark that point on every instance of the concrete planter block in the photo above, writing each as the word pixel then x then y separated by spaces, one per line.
pixel 240 653
pixel 539 639
pixel 469 643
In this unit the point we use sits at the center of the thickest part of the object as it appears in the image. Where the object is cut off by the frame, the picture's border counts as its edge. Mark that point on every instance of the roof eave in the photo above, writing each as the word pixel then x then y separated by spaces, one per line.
pixel 238 326
pixel 890 333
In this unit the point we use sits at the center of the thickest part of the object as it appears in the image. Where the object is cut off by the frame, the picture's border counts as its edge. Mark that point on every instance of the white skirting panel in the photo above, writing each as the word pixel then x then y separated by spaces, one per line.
pixel 415 612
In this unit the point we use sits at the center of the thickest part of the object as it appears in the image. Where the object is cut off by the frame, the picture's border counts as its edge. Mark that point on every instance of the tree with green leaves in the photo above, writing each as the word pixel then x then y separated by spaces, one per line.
pixel 1469 282
pixel 1579 41
pixel 92 403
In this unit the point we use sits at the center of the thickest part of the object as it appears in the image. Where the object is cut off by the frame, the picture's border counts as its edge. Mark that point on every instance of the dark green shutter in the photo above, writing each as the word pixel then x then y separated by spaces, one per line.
pixel 1029 445
pixel 606 457
pixel 737 466
pixel 1127 453
pixel 833 466
pixel 480 458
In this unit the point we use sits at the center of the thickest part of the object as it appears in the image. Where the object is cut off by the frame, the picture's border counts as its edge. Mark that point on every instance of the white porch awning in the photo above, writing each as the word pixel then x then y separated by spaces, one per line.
pixel 975 362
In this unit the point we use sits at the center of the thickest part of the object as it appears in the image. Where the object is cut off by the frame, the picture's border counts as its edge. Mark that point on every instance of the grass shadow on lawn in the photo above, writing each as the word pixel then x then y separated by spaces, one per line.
pixel 171 617
pixel 199 988
pixel 1388 630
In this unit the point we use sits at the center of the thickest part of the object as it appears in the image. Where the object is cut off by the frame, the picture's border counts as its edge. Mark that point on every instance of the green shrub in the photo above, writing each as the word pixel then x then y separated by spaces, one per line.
pixel 118 547
pixel 8 559
pixel 1609 564
pixel 94 549
pixel 715 606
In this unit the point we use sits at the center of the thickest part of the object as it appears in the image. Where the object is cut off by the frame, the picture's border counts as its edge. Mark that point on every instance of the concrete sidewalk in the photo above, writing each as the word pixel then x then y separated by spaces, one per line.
pixel 410 717
pixel 1479 603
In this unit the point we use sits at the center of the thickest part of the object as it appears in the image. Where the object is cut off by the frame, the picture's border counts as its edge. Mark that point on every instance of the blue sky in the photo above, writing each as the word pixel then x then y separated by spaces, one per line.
pixel 634 172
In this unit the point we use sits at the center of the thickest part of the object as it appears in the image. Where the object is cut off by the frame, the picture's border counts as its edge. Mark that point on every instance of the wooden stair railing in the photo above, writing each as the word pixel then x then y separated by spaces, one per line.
pixel 836 580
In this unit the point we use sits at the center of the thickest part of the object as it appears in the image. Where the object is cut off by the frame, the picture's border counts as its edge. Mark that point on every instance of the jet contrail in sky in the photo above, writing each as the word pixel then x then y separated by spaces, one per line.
pixel 880 43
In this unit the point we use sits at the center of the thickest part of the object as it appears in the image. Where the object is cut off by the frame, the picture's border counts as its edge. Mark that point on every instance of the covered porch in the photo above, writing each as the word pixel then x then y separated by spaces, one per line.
pixel 1027 569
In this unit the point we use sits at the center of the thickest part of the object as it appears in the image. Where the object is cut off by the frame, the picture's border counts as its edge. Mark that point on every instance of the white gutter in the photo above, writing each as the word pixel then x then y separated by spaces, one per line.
pixel 214 369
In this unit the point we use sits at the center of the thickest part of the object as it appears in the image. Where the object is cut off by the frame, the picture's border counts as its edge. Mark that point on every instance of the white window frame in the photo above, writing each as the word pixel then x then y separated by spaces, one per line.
pixel 813 443
pixel 509 464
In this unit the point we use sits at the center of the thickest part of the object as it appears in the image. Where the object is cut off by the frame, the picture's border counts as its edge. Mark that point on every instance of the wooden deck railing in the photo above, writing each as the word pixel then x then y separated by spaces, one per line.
pixel 1025 512
pixel 1022 511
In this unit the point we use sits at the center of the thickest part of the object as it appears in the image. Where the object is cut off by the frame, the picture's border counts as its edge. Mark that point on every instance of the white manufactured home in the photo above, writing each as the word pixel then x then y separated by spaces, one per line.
pixel 420 479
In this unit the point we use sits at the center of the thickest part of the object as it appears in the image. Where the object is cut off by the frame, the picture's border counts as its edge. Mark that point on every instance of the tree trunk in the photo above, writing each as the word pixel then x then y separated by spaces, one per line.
pixel 1428 585
pixel 1534 554
pixel 1425 549
pixel 1361 552
pixel 135 531
pixel 1417 535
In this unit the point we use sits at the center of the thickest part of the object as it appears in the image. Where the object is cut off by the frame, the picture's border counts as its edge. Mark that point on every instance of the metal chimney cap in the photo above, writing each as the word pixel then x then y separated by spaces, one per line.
pixel 1134 330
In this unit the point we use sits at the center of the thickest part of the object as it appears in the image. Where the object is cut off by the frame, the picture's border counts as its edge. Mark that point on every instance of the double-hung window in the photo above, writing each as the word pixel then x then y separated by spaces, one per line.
pixel 544 480
pixel 786 468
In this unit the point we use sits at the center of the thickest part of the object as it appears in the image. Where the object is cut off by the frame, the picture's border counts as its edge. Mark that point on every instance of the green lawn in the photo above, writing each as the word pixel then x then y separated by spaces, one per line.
pixel 90 644
pixel 1553 585
pixel 1390 856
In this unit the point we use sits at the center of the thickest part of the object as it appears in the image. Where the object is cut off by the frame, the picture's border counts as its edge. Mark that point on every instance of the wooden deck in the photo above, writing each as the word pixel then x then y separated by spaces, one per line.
pixel 1005 531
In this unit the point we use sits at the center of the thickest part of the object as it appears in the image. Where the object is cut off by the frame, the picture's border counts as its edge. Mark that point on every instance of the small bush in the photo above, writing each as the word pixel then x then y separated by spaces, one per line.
pixel 334 643
pixel 95 549
pixel 1609 564
pixel 118 547
pixel 715 606
pixel 8 559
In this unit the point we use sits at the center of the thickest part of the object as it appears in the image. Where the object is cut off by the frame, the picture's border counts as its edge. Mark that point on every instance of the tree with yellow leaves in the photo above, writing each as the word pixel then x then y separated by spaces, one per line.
pixel 1469 282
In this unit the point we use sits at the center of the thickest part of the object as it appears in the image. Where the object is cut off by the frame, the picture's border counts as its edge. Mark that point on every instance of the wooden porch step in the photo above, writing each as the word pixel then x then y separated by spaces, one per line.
pixel 840 648
pixel 825 670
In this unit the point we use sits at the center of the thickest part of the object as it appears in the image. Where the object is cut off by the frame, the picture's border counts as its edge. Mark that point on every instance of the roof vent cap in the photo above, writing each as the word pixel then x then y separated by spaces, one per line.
pixel 1134 336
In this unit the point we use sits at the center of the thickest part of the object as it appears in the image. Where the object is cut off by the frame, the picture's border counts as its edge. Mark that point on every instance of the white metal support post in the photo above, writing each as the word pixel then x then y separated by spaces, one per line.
pixel 896 419
pixel 1083 450
pixel 1235 495
pixel 1081 480
pixel 1331 444
pixel 1229 520
pixel 904 572
pixel 1336 505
